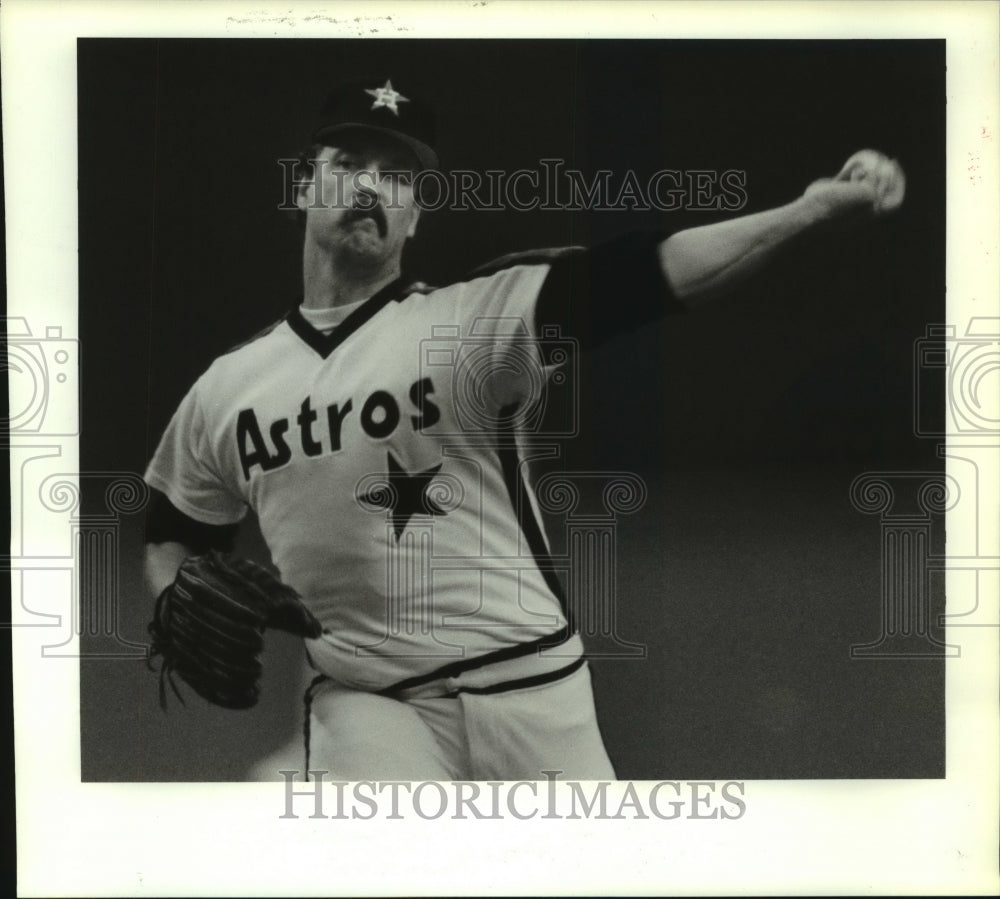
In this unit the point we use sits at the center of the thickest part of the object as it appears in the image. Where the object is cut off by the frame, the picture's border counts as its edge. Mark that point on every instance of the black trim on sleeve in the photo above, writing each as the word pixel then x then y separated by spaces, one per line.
pixel 595 294
pixel 165 523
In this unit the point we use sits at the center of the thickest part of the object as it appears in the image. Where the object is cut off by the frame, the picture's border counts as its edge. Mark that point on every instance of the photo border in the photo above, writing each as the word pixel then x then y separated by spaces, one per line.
pixel 919 837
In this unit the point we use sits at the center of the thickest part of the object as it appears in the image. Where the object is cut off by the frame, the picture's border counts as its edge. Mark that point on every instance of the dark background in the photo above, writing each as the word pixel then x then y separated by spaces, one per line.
pixel 747 574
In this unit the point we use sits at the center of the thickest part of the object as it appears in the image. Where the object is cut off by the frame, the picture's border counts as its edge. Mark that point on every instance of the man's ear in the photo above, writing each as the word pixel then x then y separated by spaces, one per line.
pixel 302 189
pixel 413 222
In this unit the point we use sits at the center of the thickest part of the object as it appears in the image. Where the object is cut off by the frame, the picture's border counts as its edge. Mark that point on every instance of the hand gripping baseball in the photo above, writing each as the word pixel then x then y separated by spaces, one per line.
pixel 868 182
pixel 209 627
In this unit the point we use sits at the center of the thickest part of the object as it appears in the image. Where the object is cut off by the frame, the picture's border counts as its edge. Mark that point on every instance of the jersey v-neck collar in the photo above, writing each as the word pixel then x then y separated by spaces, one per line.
pixel 324 344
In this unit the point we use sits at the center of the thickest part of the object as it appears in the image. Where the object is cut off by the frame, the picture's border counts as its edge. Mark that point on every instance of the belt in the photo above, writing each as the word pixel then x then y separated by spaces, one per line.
pixel 518 667
pixel 518 673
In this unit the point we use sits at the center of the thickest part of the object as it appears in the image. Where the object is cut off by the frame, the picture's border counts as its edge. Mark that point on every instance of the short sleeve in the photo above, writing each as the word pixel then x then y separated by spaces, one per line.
pixel 185 471
pixel 500 359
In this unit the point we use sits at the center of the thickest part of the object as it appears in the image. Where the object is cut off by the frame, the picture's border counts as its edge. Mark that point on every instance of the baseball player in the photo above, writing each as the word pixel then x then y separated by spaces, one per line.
pixel 378 431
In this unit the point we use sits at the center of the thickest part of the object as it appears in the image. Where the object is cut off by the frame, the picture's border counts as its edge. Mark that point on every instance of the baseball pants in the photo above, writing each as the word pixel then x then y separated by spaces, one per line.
pixel 514 734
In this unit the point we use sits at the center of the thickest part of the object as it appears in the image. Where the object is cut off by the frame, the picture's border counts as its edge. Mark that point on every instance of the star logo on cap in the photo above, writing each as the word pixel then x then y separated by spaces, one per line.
pixel 387 97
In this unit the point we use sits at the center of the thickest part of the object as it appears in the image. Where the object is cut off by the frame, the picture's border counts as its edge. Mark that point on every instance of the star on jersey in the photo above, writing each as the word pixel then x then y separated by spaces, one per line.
pixel 406 496
pixel 387 97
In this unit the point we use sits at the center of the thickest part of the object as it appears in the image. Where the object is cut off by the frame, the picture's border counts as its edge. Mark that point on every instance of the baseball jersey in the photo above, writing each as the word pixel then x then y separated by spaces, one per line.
pixel 387 460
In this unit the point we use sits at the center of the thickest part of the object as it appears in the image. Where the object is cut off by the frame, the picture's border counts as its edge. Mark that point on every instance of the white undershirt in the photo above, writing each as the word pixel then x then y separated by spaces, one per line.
pixel 326 320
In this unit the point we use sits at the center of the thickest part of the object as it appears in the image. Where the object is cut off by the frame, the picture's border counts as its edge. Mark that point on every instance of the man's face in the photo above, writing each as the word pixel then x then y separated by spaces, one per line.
pixel 360 202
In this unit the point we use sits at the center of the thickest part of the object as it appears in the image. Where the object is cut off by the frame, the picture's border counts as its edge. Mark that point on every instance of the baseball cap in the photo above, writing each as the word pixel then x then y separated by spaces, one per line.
pixel 380 105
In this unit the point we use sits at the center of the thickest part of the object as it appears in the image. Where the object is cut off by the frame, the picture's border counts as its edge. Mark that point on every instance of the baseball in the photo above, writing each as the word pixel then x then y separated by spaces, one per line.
pixel 885 176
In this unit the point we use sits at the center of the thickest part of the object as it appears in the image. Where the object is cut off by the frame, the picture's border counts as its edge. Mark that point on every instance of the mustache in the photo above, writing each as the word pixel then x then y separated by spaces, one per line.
pixel 375 212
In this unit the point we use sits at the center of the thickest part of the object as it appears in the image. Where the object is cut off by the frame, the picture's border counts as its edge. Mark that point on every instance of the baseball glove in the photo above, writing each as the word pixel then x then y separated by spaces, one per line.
pixel 208 627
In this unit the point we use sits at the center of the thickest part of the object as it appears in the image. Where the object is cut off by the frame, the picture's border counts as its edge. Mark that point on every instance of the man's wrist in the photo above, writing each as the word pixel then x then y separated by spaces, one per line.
pixel 810 210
